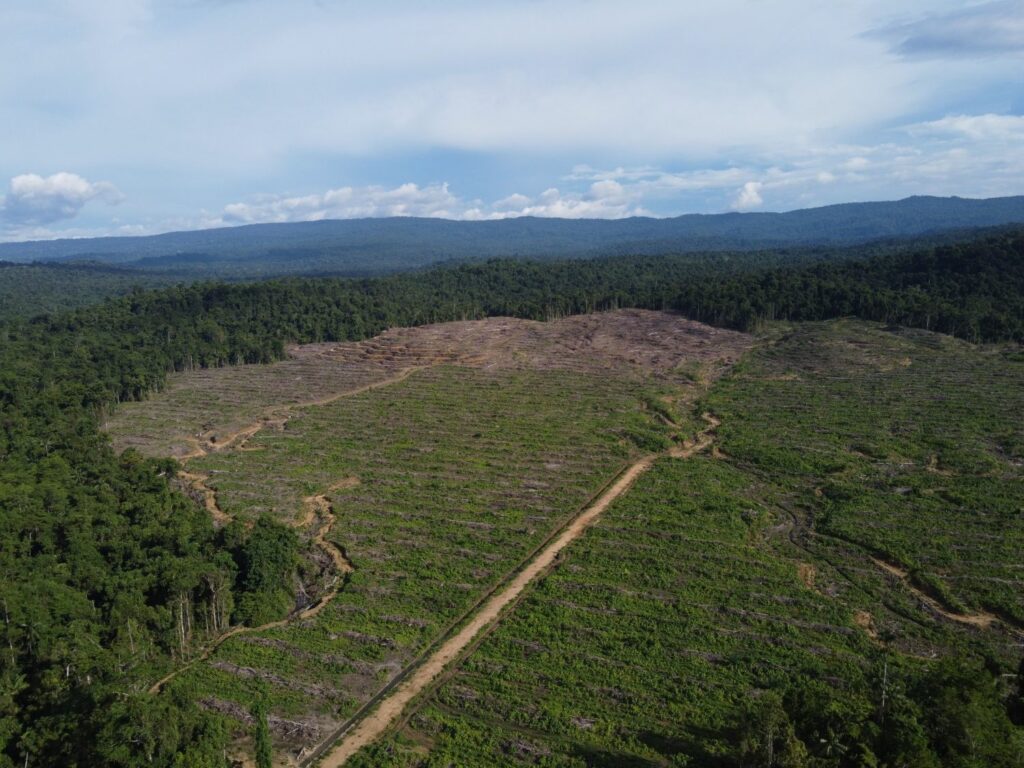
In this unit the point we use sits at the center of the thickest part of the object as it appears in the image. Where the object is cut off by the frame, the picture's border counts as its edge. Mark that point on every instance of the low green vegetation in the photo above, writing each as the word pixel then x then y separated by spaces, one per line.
pixel 903 444
pixel 736 611
pixel 461 474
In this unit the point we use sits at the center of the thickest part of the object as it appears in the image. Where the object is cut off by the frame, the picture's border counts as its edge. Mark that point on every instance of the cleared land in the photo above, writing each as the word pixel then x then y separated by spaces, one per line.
pixel 859 518
pixel 897 452
pixel 500 432
pixel 392 706
pixel 211 408
pixel 642 643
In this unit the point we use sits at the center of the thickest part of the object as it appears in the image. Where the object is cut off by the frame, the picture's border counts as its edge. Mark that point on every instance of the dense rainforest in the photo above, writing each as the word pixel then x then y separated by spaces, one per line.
pixel 29 290
pixel 110 577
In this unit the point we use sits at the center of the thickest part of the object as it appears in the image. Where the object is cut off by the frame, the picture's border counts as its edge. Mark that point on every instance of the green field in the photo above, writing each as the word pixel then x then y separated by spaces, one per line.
pixel 902 444
pixel 461 474
pixel 853 540
pixel 730 608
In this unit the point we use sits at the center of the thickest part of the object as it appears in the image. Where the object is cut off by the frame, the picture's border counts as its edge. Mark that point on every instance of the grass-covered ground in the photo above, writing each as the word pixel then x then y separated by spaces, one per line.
pixel 850 547
pixel 461 474
pixel 644 642
pixel 748 609
pixel 907 445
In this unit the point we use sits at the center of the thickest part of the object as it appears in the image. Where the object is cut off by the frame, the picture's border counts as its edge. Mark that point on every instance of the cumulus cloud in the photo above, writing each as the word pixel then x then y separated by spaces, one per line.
pixel 749 196
pixel 967 155
pixel 348 203
pixel 604 199
pixel 987 29
pixel 34 200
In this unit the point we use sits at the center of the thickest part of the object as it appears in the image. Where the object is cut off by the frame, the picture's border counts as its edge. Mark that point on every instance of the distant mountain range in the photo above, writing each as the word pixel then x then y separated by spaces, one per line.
pixel 372 246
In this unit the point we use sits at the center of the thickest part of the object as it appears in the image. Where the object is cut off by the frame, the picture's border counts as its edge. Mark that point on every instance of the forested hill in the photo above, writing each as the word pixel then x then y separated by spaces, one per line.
pixel 364 247
pixel 100 561
pixel 27 290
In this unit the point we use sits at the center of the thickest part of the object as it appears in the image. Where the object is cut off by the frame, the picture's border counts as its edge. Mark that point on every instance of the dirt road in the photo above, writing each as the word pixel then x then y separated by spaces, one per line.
pixel 368 729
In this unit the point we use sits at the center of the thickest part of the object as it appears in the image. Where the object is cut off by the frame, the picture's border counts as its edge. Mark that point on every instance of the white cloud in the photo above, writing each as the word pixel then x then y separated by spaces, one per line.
pixel 692 100
pixel 602 200
pixel 34 200
pixel 348 203
pixel 266 80
pixel 967 155
pixel 749 196
pixel 977 127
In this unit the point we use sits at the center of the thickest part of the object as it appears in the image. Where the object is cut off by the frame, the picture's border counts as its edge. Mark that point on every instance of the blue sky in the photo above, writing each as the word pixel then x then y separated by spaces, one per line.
pixel 142 116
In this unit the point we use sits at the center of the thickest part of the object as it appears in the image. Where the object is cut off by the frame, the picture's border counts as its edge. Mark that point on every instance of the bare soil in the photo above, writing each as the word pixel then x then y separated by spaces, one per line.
pixel 220 408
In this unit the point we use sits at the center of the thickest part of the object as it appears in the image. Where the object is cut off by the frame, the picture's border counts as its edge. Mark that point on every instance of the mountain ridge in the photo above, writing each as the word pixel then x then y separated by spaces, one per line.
pixel 374 245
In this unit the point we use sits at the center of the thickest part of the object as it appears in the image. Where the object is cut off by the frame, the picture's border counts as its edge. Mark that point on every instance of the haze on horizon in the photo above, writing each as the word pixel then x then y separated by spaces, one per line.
pixel 144 116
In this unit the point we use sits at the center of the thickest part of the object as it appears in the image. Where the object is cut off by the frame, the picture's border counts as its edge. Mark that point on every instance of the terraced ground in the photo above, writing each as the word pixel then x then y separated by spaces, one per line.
pixel 860 519
pixel 481 442
pixel 211 409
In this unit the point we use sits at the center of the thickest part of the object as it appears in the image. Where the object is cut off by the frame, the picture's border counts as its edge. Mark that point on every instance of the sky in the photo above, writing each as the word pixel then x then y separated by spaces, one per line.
pixel 124 117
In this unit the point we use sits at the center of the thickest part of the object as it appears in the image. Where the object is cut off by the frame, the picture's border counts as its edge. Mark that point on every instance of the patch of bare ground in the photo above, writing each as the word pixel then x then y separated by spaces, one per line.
pixel 624 340
pixel 216 409
pixel 866 621
pixel 981 619
pixel 807 573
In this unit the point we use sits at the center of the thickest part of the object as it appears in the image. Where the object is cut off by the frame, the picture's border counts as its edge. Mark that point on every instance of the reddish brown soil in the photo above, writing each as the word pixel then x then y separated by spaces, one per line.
pixel 218 408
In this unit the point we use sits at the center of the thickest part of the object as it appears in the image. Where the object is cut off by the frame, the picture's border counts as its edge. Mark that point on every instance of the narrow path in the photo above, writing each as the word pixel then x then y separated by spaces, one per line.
pixel 197 482
pixel 277 415
pixel 316 506
pixel 366 730
pixel 793 527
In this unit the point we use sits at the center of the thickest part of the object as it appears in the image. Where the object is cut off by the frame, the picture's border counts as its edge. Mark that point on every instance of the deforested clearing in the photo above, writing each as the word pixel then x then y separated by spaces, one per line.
pixel 472 444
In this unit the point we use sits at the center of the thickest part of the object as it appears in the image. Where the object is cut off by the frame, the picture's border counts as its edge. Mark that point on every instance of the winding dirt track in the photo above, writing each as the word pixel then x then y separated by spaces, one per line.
pixel 316 506
pixel 197 482
pixel 390 708
pixel 277 415
pixel 978 619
